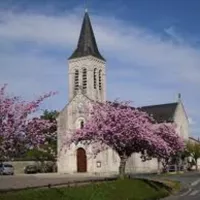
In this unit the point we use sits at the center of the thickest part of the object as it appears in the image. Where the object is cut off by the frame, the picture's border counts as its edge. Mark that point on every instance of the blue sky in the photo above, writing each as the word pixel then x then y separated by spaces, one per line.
pixel 152 49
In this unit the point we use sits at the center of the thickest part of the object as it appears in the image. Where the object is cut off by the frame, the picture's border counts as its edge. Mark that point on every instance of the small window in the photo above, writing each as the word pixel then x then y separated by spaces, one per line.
pixel 76 80
pixel 82 124
pixel 95 78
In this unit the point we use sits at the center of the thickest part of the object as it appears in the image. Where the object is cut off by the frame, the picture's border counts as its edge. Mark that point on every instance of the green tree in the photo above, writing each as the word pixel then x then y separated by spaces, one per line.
pixel 194 151
pixel 48 150
pixel 50 115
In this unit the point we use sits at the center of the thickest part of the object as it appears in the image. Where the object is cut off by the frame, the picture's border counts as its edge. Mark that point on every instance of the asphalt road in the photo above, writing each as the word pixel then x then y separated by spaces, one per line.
pixel 191 182
pixel 193 192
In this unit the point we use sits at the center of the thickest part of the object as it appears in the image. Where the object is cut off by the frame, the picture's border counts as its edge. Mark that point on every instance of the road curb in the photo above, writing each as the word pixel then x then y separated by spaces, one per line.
pixel 67 184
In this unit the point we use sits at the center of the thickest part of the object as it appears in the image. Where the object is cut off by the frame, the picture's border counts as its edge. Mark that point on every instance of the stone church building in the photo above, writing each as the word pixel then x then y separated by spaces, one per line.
pixel 87 82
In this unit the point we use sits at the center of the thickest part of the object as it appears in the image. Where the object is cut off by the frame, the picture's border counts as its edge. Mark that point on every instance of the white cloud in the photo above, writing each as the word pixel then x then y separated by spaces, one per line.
pixel 130 44
pixel 140 61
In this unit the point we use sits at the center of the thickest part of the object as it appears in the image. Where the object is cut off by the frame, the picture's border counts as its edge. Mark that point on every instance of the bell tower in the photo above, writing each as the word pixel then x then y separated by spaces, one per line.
pixel 87 66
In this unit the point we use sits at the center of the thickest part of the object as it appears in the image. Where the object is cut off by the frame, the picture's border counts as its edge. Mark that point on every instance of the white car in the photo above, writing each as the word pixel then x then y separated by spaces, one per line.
pixel 6 169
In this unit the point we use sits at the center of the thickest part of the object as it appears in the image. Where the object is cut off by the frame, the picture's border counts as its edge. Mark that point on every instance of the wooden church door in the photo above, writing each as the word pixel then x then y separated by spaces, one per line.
pixel 81 160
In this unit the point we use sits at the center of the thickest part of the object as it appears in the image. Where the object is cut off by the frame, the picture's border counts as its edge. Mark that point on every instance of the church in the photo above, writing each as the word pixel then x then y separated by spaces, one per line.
pixel 87 83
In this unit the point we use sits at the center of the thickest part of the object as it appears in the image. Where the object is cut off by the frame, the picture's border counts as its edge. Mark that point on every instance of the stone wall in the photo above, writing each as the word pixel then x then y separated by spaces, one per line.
pixel 136 165
pixel 20 165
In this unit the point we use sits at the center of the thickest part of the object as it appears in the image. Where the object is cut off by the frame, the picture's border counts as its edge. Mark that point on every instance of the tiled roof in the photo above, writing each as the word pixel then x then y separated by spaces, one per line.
pixel 161 112
pixel 194 140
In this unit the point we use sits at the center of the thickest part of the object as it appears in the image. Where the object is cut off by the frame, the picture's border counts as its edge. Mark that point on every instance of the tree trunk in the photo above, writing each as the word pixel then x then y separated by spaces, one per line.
pixel 165 165
pixel 122 166
pixel 196 165
pixel 159 166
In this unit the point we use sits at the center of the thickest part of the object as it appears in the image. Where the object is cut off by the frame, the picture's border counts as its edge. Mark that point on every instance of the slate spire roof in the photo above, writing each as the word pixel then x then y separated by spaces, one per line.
pixel 87 45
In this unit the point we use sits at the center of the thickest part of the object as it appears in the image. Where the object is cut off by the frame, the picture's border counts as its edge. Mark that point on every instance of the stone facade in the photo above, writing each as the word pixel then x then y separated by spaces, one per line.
pixel 94 67
pixel 181 120
pixel 74 113
pixel 87 83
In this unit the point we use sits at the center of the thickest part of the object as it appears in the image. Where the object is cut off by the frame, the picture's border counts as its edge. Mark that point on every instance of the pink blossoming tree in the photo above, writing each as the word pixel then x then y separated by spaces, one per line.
pixel 123 128
pixel 18 132
pixel 168 132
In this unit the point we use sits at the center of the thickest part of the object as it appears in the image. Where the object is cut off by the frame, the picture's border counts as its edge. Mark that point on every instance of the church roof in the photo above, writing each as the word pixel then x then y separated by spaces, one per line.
pixel 87 45
pixel 162 112
pixel 191 139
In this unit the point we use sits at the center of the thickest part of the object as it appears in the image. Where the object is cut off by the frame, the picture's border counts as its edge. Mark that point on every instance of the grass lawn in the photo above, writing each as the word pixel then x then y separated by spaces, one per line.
pixel 127 189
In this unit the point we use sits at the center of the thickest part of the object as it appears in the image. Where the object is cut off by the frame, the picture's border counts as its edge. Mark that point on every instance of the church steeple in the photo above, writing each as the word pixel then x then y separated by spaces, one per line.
pixel 87 45
pixel 87 75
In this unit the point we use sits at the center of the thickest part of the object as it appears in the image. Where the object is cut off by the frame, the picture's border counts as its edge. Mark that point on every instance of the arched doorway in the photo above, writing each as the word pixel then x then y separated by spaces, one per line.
pixel 81 160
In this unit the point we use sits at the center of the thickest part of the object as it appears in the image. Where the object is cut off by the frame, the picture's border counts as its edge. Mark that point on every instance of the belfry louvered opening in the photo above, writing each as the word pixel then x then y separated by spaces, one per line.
pixel 76 80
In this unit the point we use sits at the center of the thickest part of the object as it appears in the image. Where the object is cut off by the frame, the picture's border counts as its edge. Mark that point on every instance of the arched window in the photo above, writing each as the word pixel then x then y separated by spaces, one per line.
pixel 95 78
pixel 81 124
pixel 76 80
pixel 100 81
pixel 84 79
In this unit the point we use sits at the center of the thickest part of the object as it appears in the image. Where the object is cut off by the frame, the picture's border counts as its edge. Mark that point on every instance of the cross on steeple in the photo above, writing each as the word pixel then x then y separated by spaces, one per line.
pixel 86 5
